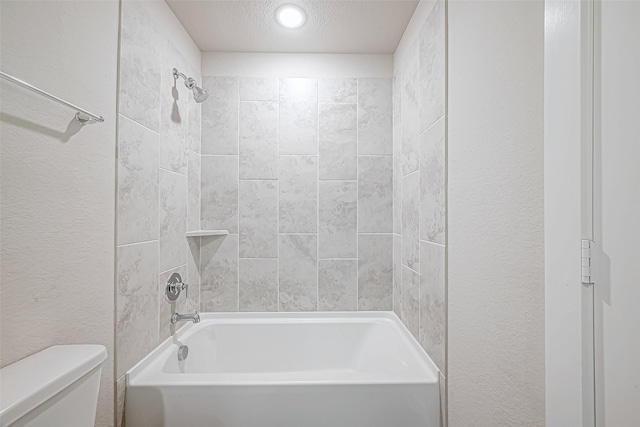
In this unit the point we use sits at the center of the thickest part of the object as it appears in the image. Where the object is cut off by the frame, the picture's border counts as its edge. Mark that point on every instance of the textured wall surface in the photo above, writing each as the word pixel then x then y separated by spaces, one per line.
pixel 299 170
pixel 57 181
pixel 495 211
pixel 158 157
pixel 419 218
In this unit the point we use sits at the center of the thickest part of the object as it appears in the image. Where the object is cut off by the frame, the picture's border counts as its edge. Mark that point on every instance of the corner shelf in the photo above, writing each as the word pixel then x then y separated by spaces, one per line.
pixel 203 233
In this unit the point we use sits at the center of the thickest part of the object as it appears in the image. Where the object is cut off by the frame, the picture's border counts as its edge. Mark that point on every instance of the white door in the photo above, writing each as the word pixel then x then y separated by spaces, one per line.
pixel 616 212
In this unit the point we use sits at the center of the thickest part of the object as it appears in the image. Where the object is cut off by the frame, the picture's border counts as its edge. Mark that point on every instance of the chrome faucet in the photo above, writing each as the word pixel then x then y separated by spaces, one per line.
pixel 175 317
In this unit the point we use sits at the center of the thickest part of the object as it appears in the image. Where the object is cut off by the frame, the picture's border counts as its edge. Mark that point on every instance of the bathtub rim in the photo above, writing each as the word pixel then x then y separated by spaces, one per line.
pixel 389 317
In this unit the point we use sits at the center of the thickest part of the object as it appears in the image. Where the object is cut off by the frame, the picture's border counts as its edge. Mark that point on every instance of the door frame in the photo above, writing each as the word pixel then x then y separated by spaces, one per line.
pixel 568 192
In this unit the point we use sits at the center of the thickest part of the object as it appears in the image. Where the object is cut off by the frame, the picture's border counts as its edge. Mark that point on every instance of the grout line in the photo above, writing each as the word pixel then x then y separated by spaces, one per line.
pixel 173 268
pixel 278 206
pixel 357 194
pixel 137 243
pixel 238 201
pixel 432 243
pixel 173 172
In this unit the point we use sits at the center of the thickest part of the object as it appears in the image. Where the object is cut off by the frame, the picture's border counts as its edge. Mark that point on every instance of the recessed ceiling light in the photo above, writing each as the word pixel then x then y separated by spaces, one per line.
pixel 290 16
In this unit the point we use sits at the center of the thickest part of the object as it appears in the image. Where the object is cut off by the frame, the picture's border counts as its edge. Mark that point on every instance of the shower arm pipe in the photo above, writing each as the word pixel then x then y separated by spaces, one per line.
pixel 83 116
pixel 188 81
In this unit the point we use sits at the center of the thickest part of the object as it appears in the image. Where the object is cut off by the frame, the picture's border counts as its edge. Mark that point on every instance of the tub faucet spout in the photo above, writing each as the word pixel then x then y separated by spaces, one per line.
pixel 175 317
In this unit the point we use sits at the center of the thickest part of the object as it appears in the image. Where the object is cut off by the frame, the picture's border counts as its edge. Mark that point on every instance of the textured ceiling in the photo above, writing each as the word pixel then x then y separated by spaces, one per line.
pixel 333 26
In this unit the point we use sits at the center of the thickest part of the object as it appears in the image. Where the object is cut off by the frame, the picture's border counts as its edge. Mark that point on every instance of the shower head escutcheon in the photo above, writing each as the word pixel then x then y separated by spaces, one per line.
pixel 199 94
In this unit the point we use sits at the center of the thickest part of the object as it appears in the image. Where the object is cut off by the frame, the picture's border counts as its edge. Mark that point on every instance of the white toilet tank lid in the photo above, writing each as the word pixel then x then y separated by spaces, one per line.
pixel 31 381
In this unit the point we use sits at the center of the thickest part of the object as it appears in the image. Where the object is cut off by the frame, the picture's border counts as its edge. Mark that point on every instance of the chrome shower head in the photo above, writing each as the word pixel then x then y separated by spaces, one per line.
pixel 199 94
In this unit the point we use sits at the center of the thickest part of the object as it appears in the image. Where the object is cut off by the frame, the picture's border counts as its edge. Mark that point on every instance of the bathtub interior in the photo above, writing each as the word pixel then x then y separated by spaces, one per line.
pixel 272 348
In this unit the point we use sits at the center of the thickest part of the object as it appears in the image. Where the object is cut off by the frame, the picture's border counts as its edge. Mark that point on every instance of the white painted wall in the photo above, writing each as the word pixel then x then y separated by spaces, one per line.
pixel 495 214
pixel 296 65
pixel 58 181
pixel 568 303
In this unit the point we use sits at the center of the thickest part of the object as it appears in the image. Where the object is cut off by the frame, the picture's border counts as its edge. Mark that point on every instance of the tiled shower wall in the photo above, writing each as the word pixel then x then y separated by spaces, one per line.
pixel 158 153
pixel 419 224
pixel 299 171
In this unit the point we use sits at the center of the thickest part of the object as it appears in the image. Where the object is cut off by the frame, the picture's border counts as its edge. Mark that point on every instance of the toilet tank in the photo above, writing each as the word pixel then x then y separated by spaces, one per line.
pixel 57 387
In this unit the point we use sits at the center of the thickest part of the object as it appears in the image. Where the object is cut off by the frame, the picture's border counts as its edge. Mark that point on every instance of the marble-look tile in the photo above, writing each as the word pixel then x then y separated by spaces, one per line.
pixel 173 219
pixel 337 285
pixel 193 190
pixel 338 141
pixel 259 140
pixel 258 207
pixel 193 274
pixel 298 116
pixel 259 284
pixel 121 389
pixel 397 112
pixel 375 272
pixel 195 116
pixel 139 68
pixel 343 90
pixel 432 67
pixel 411 301
pixel 136 303
pixel 174 123
pixel 219 287
pixel 258 89
pixel 219 189
pixel 410 155
pixel 298 194
pixel 410 120
pixel 375 194
pixel 298 272
pixel 337 221
pixel 165 307
pixel 432 185
pixel 442 382
pixel 375 116
pixel 432 303
pixel 397 275
pixel 220 116
pixel 137 183
pixel 410 76
pixel 411 221
pixel 397 194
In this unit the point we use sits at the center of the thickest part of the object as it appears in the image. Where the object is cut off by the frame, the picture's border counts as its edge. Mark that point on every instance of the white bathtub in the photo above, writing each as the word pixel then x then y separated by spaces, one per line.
pixel 286 370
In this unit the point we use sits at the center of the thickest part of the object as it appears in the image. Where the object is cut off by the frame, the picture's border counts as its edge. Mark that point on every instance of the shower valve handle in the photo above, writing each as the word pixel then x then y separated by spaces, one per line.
pixel 175 286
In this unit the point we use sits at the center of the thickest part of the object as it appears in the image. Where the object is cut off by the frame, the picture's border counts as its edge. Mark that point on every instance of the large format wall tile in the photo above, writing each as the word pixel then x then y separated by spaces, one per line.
pixel 375 117
pixel 219 189
pixel 174 123
pixel 337 222
pixel 298 194
pixel 259 140
pixel 298 116
pixel 193 190
pixel 432 185
pixel 397 112
pixel 410 120
pixel 375 272
pixel 220 116
pixel 139 67
pixel 219 287
pixel 432 303
pixel 298 272
pixel 397 274
pixel 194 122
pixel 397 194
pixel 410 312
pixel 259 284
pixel 258 89
pixel 258 207
pixel 136 303
pixel 375 194
pixel 338 141
pixel 432 67
pixel 137 183
pixel 343 90
pixel 337 285
pixel 173 219
pixel 411 221
pixel 193 274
